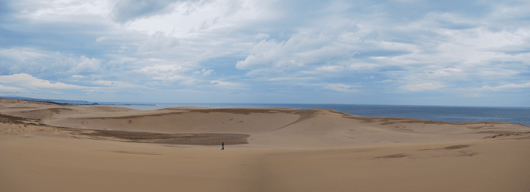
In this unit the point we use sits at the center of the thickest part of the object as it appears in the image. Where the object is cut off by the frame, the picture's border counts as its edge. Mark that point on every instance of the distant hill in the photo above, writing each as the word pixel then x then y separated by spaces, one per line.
pixel 57 101
pixel 73 102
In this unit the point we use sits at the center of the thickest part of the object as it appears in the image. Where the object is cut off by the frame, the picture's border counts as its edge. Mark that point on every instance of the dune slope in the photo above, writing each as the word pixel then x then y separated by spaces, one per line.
pixel 48 147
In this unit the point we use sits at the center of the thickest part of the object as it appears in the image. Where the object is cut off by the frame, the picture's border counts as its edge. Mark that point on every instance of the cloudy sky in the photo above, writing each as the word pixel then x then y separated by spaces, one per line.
pixel 399 52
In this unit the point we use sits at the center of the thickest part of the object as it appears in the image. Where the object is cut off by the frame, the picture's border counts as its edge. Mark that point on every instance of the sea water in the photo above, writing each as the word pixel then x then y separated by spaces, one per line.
pixel 437 113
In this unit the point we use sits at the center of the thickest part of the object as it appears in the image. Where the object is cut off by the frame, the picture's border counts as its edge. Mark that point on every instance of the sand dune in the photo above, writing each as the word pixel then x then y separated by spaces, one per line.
pixel 48 147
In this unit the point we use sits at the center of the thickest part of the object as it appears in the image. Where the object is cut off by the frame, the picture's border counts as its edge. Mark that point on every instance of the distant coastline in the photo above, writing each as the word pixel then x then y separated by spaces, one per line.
pixel 73 102
pixel 453 114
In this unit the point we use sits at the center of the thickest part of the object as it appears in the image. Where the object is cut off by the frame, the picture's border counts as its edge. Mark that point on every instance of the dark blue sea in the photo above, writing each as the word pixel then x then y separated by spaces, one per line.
pixel 437 113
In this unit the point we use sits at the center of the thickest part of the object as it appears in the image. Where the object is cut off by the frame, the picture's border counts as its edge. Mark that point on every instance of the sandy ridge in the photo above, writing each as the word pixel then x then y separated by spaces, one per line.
pixel 48 147
pixel 272 126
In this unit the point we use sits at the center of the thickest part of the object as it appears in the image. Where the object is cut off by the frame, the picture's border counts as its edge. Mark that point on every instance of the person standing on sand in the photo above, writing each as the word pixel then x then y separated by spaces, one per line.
pixel 223 144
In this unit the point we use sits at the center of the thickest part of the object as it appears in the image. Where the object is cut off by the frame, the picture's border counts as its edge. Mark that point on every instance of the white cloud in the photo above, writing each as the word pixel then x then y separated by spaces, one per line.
pixel 180 73
pixel 506 86
pixel 4 88
pixel 188 18
pixel 290 78
pixel 118 84
pixel 28 60
pixel 361 66
pixel 329 68
pixel 445 72
pixel 102 82
pixel 204 72
pixel 52 10
pixel 386 81
pixel 164 71
pixel 262 36
pixel 101 39
pixel 479 91
pixel 85 64
pixel 22 54
pixel 25 80
pixel 307 47
pixel 225 84
pixel 207 72
pixel 423 86
pixel 158 42
pixel 340 87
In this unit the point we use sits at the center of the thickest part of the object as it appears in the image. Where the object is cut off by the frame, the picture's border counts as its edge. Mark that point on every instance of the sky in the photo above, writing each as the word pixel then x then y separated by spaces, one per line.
pixel 391 52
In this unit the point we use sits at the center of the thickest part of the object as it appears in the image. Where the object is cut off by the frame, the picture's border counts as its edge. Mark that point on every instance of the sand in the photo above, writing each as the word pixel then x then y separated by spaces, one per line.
pixel 49 147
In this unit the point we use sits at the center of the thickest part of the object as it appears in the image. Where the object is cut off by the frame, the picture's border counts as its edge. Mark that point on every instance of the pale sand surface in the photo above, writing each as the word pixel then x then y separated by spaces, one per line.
pixel 47 147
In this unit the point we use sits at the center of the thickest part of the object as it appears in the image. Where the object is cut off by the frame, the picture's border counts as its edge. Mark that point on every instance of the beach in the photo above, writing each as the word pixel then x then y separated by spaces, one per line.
pixel 51 147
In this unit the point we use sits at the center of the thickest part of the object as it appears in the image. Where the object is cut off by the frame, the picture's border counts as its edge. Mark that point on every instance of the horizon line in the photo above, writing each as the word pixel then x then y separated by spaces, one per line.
pixel 143 103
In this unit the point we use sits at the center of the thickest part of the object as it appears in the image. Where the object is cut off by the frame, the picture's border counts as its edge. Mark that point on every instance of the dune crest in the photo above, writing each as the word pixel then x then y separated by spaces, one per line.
pixel 263 127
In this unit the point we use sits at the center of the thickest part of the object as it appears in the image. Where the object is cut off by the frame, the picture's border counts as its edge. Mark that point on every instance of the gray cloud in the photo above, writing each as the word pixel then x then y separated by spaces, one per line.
pixel 158 42
pixel 126 10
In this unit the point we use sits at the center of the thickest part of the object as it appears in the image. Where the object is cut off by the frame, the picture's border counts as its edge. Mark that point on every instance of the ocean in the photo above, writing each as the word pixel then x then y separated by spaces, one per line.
pixel 437 113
